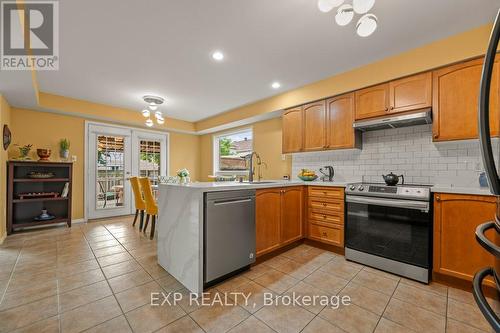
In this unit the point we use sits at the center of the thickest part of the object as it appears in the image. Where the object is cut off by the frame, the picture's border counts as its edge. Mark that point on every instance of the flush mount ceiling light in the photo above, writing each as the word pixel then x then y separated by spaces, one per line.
pixel 276 85
pixel 218 56
pixel 366 25
pixel 153 103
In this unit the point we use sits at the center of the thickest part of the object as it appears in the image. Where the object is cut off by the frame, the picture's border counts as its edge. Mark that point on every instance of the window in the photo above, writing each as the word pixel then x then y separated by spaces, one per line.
pixel 229 150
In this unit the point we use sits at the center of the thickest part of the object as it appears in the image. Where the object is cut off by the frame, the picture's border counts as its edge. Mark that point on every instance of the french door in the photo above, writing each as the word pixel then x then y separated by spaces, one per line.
pixel 114 155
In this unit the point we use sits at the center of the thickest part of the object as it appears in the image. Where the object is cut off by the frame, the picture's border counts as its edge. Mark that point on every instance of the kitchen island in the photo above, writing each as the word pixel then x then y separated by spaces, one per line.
pixel 180 225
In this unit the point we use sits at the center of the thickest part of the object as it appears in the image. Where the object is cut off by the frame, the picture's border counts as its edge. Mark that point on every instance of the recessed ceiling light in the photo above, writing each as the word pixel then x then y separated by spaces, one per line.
pixel 218 56
pixel 276 85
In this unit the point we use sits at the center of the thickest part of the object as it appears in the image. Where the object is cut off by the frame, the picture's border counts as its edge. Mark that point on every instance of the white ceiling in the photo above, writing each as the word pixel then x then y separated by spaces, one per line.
pixel 115 51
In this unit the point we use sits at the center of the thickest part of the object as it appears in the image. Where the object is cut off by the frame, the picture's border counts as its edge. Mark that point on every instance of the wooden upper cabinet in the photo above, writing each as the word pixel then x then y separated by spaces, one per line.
pixel 456 251
pixel 314 116
pixel 410 93
pixel 291 210
pixel 455 101
pixel 340 115
pixel 372 101
pixel 292 130
pixel 267 220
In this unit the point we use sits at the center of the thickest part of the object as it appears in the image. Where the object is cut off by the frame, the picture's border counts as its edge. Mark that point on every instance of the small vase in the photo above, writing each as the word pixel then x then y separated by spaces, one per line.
pixel 64 154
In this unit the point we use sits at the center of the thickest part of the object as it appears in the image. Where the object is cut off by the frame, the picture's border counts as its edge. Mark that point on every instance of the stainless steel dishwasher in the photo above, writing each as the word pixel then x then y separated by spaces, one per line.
pixel 229 233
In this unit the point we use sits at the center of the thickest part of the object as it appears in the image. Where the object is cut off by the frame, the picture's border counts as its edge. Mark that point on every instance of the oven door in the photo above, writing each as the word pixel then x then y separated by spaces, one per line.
pixel 390 228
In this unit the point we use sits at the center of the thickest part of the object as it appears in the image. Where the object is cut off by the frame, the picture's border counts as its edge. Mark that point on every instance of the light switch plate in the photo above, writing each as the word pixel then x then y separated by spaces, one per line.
pixel 73 158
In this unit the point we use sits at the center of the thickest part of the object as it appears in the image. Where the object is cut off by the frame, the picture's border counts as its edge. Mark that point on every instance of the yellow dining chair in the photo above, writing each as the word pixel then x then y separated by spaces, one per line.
pixel 140 204
pixel 151 206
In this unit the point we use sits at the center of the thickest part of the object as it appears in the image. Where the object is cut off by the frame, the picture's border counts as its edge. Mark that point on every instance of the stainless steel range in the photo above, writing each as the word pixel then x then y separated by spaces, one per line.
pixel 390 228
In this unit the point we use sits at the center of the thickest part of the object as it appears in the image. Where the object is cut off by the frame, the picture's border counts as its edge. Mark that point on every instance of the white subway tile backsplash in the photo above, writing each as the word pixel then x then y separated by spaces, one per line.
pixel 408 151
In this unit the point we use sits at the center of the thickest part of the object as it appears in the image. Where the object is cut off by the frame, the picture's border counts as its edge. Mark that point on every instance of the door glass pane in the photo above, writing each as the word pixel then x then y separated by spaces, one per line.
pixel 149 161
pixel 110 175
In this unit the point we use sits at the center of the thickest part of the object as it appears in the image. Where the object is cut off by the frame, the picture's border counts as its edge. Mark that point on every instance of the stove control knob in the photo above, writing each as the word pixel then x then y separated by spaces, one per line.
pixel 361 188
pixel 352 188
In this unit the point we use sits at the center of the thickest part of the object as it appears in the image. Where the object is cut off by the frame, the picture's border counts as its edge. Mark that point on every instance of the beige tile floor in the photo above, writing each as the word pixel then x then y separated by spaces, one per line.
pixel 98 277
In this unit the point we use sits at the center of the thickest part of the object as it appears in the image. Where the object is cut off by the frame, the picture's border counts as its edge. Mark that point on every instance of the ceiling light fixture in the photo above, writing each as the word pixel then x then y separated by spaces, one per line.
pixel 362 6
pixel 345 14
pixel 153 103
pixel 218 56
pixel 327 5
pixel 276 85
pixel 365 26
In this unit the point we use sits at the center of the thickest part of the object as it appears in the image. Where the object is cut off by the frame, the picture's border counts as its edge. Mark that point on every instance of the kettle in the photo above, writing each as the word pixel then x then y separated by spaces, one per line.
pixel 392 179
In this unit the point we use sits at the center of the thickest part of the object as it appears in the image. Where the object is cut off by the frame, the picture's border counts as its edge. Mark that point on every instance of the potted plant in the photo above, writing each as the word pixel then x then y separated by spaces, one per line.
pixel 64 145
pixel 24 151
pixel 183 175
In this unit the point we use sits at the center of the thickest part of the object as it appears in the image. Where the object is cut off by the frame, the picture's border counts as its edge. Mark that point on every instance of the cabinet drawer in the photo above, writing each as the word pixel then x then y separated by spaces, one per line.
pixel 326 218
pixel 336 206
pixel 333 235
pixel 326 192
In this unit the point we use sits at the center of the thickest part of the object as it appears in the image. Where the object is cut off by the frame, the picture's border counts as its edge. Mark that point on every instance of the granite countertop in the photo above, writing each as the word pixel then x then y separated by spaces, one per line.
pixel 221 186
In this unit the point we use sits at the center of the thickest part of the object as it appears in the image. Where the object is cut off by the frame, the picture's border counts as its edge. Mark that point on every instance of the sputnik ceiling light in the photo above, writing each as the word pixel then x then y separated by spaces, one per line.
pixel 365 26
pixel 153 102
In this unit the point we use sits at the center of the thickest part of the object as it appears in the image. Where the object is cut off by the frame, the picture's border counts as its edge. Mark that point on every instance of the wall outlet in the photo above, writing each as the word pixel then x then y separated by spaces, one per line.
pixel 283 157
pixel 73 158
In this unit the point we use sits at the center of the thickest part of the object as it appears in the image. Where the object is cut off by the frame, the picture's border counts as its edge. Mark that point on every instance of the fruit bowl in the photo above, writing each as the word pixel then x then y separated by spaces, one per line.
pixel 308 178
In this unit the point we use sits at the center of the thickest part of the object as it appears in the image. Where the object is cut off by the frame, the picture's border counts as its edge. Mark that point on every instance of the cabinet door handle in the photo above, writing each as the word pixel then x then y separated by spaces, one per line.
pixel 436 136
pixel 392 107
pixel 438 198
pixel 324 217
pixel 325 234
pixel 324 204
pixel 386 109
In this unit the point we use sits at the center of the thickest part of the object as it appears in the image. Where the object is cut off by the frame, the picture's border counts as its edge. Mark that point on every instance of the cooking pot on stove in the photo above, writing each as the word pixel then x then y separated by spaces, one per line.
pixel 392 179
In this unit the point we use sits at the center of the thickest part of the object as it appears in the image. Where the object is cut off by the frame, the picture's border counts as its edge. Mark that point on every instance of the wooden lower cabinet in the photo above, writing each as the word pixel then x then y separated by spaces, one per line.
pixel 278 217
pixel 456 251
pixel 325 217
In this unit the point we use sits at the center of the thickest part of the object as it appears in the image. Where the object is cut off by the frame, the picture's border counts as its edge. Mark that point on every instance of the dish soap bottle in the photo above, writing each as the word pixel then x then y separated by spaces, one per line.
pixel 483 180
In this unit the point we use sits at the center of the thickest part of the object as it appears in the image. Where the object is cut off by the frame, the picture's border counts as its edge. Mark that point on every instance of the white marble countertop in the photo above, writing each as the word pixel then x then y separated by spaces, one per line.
pixel 461 190
pixel 222 186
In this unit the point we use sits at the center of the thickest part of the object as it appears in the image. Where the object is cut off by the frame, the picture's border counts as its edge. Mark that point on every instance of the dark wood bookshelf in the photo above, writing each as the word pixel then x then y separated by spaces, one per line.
pixel 21 212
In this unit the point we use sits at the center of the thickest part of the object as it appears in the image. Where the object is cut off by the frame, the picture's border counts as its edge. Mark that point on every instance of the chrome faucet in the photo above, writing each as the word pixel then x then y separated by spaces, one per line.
pixel 251 169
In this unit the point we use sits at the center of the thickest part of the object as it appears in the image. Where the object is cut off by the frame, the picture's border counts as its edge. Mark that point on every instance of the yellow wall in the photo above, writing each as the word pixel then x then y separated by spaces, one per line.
pixel 185 153
pixel 4 120
pixel 44 130
pixel 466 45
pixel 267 143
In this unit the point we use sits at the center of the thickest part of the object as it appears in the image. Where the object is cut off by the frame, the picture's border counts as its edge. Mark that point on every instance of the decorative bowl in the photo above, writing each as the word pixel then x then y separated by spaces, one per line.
pixel 44 154
pixel 308 178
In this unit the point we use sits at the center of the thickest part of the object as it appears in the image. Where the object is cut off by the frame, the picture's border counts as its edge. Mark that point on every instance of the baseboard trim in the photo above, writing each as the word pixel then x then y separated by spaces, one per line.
pixel 78 221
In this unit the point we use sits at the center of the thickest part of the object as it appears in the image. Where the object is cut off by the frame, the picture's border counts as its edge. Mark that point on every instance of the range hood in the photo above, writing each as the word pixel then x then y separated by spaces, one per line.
pixel 396 121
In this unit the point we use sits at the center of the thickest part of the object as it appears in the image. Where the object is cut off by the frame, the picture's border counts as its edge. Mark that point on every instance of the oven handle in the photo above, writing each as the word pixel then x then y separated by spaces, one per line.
pixel 409 204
